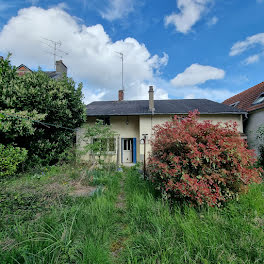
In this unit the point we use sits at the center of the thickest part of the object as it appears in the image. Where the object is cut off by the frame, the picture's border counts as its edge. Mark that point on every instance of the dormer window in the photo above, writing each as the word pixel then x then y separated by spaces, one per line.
pixel 259 100
pixel 235 104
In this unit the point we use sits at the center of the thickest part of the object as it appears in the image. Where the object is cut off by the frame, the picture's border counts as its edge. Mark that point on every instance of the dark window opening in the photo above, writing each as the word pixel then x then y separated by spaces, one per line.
pixel 105 119
pixel 235 104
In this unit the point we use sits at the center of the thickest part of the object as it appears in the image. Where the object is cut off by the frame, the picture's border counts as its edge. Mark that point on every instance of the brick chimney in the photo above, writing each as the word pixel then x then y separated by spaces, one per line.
pixel 60 67
pixel 151 99
pixel 120 95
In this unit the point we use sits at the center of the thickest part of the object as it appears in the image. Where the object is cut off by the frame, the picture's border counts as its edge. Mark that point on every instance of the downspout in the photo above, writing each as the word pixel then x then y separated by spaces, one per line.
pixel 118 152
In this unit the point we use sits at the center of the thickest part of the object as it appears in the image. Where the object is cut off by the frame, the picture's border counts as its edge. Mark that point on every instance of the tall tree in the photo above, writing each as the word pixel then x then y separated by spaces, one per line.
pixel 37 97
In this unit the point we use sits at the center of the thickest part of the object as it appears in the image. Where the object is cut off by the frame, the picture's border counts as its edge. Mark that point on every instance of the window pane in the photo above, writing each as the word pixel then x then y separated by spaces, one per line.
pixel 103 144
pixel 111 144
pixel 107 120
pixel 104 119
pixel 259 100
pixel 128 145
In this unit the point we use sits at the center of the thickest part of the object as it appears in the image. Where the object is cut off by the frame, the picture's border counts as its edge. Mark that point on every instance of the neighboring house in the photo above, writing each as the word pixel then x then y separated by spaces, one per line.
pixel 60 70
pixel 22 70
pixel 132 119
pixel 252 101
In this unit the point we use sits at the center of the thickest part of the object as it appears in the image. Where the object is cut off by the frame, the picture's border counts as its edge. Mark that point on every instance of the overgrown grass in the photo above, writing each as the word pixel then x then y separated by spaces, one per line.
pixel 72 230
pixel 160 234
pixel 54 227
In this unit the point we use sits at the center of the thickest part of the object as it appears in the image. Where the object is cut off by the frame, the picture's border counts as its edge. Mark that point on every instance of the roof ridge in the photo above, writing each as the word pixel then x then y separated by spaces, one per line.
pixel 141 100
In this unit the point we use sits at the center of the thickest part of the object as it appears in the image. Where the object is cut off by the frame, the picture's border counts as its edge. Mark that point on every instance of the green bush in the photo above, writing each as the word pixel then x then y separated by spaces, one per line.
pixel 34 111
pixel 10 159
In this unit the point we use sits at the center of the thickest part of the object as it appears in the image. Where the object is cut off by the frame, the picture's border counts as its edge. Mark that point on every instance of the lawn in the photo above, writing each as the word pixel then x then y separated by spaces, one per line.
pixel 76 214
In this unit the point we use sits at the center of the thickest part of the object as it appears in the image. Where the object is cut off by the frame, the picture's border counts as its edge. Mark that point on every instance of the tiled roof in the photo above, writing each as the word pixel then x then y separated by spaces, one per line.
pixel 22 69
pixel 141 107
pixel 247 97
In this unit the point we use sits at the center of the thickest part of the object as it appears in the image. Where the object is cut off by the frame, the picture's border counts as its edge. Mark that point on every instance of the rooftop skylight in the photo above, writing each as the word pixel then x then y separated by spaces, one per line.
pixel 259 100
pixel 235 104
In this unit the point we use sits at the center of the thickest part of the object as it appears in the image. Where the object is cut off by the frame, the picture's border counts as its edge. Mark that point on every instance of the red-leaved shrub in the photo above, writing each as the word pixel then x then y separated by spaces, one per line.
pixel 199 162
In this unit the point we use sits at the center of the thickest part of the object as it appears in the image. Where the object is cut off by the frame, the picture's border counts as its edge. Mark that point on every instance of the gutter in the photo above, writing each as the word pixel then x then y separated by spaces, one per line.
pixel 183 113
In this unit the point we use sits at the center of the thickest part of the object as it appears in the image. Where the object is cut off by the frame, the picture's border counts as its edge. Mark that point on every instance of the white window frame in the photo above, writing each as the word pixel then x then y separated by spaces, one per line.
pixel 256 101
pixel 108 152
pixel 235 104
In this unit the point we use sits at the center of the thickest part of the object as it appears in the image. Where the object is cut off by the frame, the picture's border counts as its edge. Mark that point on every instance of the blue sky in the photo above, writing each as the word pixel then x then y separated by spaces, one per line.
pixel 185 48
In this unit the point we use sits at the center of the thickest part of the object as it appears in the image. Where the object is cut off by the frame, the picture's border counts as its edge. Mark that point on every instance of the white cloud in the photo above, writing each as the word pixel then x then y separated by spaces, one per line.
pixel 62 5
pixel 117 9
pixel 190 13
pixel 248 43
pixel 91 58
pixel 212 21
pixel 197 74
pixel 252 59
pixel 91 96
pixel 206 93
pixel 141 91
pixel 187 83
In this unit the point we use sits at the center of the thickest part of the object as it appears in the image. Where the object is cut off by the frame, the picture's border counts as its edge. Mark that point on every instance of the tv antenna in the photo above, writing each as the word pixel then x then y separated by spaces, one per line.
pixel 122 62
pixel 56 51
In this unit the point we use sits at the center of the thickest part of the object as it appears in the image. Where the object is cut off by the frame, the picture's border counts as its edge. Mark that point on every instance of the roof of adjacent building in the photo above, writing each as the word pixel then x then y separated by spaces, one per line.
pixel 245 100
pixel 54 75
pixel 23 69
pixel 141 107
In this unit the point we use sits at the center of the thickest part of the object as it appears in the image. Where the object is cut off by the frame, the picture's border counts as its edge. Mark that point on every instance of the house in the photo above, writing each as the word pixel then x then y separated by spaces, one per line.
pixel 57 74
pixel 22 70
pixel 132 120
pixel 252 101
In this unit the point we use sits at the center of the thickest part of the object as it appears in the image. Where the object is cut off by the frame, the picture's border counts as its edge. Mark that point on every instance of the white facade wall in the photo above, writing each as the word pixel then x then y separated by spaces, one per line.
pixel 146 124
pixel 255 120
pixel 136 126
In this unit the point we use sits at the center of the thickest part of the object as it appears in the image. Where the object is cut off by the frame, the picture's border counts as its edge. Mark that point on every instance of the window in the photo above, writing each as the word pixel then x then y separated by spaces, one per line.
pixel 259 100
pixel 111 144
pixel 106 145
pixel 179 117
pixel 127 144
pixel 105 119
pixel 235 104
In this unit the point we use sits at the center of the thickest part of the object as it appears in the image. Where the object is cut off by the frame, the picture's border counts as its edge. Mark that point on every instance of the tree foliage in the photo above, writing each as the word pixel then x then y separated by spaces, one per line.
pixel 18 124
pixel 10 159
pixel 199 162
pixel 35 96
pixel 98 138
